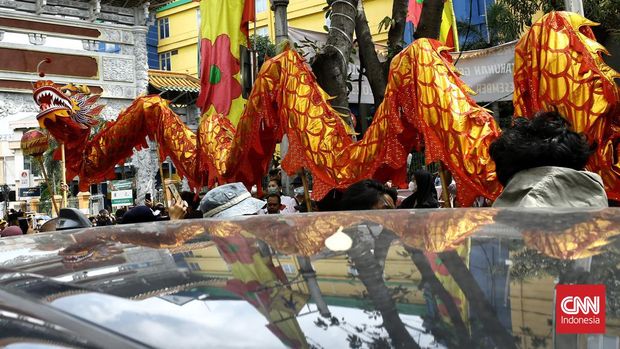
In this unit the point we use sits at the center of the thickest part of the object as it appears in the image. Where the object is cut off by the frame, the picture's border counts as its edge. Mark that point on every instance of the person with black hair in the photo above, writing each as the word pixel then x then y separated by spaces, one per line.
pixel 424 193
pixel 275 174
pixel 540 162
pixel 104 218
pixel 273 205
pixel 193 204
pixel 368 194
pixel 275 187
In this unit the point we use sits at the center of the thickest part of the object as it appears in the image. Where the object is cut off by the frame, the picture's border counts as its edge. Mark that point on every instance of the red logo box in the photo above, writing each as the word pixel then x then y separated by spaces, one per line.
pixel 580 308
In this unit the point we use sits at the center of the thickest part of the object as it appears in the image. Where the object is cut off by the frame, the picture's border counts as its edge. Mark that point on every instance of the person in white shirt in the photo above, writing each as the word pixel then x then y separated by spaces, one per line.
pixel 288 203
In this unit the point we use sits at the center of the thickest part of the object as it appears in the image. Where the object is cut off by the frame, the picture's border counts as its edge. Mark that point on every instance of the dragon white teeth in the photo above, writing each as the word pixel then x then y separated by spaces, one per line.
pixel 54 99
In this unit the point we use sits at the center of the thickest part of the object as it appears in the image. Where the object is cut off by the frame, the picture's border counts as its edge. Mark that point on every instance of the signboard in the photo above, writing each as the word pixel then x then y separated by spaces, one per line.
pixel 24 179
pixel 122 197
pixel 29 192
pixel 489 72
pixel 122 184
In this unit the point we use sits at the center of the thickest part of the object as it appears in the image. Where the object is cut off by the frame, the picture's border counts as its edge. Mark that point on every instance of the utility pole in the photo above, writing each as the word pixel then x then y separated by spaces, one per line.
pixel 279 8
pixel 574 6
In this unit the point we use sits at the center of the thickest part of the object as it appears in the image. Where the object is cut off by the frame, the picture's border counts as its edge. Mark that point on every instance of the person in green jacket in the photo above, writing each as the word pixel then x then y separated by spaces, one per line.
pixel 541 163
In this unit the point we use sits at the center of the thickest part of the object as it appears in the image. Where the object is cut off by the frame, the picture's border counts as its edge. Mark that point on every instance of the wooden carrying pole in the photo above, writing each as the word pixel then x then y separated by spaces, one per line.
pixel 161 175
pixel 304 181
pixel 64 175
pixel 49 186
pixel 443 175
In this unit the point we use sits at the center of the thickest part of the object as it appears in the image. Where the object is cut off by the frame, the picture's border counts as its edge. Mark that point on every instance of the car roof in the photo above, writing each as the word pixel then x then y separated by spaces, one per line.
pixel 271 280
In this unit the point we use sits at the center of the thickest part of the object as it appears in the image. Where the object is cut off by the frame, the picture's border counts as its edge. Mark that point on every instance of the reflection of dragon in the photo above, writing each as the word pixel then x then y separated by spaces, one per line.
pixel 425 100
pixel 98 244
pixel 77 256
pixel 555 233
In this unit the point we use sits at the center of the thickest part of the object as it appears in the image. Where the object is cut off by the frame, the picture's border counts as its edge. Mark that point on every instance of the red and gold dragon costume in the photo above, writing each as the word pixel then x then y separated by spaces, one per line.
pixel 425 103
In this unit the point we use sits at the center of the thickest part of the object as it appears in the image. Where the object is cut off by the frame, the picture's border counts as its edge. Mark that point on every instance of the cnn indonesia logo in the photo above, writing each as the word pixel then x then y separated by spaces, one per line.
pixel 580 309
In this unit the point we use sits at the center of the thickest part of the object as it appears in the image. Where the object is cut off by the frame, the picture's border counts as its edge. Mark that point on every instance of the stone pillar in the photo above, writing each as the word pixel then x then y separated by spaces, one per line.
pixel 84 202
pixel 34 204
pixel 141 60
pixel 146 163
pixel 185 185
pixel 281 22
pixel 279 8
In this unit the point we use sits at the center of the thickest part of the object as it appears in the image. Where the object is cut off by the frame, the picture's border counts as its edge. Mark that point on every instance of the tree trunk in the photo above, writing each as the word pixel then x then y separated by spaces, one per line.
pixel 477 300
pixel 430 20
pixel 396 41
pixel 370 273
pixel 330 66
pixel 428 276
pixel 369 61
pixel 375 71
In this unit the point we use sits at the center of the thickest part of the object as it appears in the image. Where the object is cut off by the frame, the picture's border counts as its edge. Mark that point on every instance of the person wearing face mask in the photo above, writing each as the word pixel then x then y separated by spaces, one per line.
pixel 289 203
pixel 424 193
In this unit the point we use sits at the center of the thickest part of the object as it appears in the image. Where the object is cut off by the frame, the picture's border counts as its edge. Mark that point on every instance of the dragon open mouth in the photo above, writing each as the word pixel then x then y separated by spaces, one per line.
pixel 49 99
pixel 76 258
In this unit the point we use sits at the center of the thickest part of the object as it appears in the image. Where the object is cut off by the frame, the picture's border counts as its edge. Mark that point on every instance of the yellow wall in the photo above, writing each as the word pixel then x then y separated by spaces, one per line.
pixel 302 14
pixel 309 15
pixel 183 24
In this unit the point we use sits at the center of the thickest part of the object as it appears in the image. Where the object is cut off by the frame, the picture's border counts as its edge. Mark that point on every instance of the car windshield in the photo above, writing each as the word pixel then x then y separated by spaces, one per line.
pixel 446 278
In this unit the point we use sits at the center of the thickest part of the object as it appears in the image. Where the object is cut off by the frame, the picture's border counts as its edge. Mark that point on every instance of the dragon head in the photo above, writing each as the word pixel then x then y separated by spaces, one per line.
pixel 70 106
pixel 70 101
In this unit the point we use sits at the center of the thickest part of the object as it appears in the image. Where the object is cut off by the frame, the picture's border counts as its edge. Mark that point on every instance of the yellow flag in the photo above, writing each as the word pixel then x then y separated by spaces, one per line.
pixel 223 29
pixel 448 33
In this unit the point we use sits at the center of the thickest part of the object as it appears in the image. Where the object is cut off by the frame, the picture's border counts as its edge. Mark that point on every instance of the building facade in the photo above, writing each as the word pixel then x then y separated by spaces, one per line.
pixel 178 37
pixel 178 25
pixel 100 44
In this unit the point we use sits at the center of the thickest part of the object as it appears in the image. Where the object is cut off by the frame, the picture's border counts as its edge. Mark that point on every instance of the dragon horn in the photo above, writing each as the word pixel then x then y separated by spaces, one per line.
pixel 91 100
pixel 96 110
pixel 46 60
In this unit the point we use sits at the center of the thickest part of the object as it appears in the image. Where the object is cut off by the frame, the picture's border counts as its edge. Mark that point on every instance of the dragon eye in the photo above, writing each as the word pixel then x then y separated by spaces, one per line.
pixel 67 93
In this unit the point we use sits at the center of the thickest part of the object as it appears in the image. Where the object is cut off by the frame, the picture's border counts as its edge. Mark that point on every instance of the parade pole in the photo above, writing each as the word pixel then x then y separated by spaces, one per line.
pixel 443 175
pixel 304 181
pixel 49 186
pixel 161 175
pixel 64 176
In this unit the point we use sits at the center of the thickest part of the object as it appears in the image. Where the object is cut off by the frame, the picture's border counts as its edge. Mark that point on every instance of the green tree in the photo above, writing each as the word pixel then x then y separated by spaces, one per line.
pixel 263 47
pixel 508 18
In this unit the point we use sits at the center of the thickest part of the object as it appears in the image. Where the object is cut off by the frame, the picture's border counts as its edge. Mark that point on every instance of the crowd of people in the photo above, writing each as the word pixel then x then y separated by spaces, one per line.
pixel 540 162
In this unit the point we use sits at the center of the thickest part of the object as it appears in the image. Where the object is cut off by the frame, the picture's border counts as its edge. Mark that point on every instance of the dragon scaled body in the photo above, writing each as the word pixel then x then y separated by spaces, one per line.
pixel 426 104
pixel 286 100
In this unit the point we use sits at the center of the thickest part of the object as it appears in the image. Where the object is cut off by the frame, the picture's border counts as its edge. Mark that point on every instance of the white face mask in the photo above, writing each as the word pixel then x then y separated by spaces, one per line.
pixel 413 186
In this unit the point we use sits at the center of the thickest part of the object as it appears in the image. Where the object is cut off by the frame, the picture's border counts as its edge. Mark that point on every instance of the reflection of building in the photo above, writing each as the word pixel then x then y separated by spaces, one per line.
pixel 335 276
pixel 532 315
